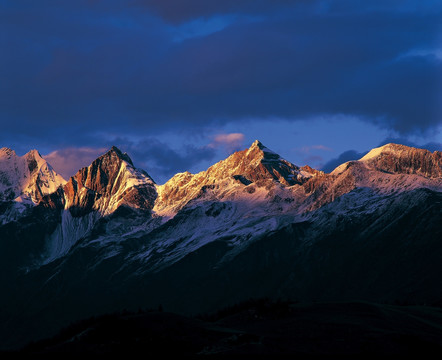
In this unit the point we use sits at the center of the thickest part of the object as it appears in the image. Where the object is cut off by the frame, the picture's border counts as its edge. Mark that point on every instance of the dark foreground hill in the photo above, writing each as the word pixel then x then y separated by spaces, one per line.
pixel 257 327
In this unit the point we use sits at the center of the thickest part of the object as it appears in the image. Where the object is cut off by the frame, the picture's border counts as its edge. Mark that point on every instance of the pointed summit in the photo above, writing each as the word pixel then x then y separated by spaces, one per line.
pixel 258 152
pixel 257 144
pixel 259 162
pixel 35 160
pixel 109 182
pixel 115 152
pixel 33 154
pixel 255 167
pixel 26 178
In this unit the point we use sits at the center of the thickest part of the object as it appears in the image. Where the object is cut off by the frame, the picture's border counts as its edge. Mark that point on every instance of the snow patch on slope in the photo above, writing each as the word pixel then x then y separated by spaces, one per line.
pixel 130 177
pixel 68 232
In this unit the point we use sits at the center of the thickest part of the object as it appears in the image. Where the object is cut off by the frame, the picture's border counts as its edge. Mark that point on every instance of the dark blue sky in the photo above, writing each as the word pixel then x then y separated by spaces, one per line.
pixel 181 84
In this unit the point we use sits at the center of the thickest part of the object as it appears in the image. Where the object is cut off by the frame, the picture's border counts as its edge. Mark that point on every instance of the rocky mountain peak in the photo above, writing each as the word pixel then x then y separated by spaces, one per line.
pixel 259 162
pixel 26 178
pixel 256 166
pixel 114 151
pixel 35 161
pixel 401 159
pixel 33 154
pixel 6 152
pixel 109 182
pixel 257 144
pixel 257 151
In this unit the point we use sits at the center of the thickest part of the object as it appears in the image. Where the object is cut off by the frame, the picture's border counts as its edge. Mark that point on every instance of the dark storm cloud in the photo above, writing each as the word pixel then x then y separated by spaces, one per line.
pixel 156 157
pixel 162 161
pixel 348 155
pixel 299 68
pixel 71 70
pixel 178 11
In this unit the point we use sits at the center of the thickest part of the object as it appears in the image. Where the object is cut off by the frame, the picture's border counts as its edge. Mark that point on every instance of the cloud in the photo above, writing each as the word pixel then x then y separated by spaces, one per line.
pixel 162 161
pixel 315 161
pixel 342 158
pixel 71 70
pixel 231 142
pixel 308 149
pixel 68 161
pixel 177 11
pixel 154 156
pixel 309 154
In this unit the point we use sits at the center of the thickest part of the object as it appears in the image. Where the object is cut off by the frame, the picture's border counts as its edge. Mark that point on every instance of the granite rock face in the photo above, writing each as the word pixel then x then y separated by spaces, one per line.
pixel 108 183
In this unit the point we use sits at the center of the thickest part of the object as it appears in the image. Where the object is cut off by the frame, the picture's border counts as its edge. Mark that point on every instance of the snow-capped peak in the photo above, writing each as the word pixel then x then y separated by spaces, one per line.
pixel 33 154
pixel 26 178
pixel 117 152
pixel 6 153
pixel 236 178
pixel 258 144
pixel 257 147
pixel 390 148
pixel 109 182
pixel 401 159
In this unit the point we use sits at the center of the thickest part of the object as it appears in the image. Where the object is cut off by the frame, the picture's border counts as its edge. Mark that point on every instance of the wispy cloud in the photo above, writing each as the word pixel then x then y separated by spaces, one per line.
pixel 230 142
pixel 424 53
pixel 310 154
pixel 68 161
pixel 308 149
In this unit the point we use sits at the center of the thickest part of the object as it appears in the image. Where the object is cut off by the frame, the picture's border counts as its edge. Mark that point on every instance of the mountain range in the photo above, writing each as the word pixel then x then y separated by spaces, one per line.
pixel 253 225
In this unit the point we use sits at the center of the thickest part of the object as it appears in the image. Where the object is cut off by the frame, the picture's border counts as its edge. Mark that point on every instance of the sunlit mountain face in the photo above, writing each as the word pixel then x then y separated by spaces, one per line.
pixel 251 226
pixel 138 211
